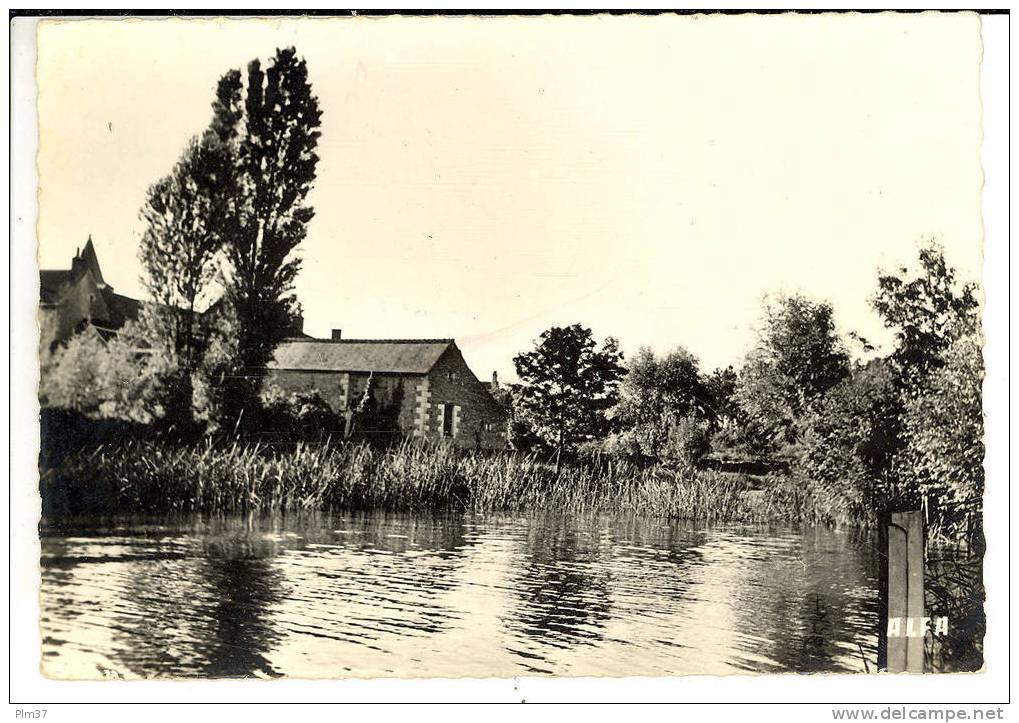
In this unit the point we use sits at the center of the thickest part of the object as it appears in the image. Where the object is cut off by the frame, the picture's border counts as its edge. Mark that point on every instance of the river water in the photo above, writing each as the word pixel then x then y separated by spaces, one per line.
pixel 331 596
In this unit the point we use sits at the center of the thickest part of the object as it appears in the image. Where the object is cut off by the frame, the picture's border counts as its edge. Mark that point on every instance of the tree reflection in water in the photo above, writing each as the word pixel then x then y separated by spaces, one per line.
pixel 243 585
pixel 822 613
pixel 387 574
pixel 561 591
pixel 204 614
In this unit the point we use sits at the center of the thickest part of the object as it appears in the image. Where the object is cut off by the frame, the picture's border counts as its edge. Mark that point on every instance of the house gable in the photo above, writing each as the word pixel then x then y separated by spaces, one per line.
pixel 479 420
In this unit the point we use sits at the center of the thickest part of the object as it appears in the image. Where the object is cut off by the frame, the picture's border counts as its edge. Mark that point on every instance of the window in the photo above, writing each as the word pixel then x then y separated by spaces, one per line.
pixel 451 376
pixel 448 411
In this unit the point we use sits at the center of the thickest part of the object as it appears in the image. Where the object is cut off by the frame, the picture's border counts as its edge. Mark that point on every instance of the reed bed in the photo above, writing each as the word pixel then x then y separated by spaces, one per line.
pixel 152 476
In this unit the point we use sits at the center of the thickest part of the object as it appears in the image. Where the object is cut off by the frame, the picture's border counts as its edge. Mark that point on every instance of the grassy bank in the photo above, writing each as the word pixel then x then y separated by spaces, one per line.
pixel 160 477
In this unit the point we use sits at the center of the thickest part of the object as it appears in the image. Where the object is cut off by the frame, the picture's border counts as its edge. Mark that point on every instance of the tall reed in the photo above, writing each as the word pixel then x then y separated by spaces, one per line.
pixel 148 476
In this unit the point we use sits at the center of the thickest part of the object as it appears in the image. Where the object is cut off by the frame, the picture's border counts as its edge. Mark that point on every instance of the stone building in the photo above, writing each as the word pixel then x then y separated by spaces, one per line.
pixel 424 384
pixel 72 300
pixel 427 385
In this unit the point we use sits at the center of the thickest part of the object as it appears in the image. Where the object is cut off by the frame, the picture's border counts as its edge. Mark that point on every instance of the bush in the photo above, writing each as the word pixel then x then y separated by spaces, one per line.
pixel 944 430
pixel 295 415
pixel 120 378
pixel 847 441
pixel 687 439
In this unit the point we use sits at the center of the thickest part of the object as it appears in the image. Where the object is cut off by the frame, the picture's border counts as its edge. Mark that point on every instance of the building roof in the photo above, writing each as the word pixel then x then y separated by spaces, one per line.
pixel 51 285
pixel 392 356
pixel 86 260
pixel 115 309
pixel 122 308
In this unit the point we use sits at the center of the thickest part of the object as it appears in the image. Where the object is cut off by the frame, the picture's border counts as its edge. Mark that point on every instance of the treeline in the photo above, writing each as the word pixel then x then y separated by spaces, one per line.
pixel 220 235
pixel 858 431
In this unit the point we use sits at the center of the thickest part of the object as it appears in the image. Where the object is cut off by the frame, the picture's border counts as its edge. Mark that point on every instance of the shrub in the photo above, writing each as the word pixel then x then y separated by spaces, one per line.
pixel 944 428
pixel 295 415
pixel 687 439
pixel 117 378
pixel 847 441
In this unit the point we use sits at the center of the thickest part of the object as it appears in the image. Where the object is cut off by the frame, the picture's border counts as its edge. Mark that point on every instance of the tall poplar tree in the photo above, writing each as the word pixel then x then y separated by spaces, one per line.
pixel 269 120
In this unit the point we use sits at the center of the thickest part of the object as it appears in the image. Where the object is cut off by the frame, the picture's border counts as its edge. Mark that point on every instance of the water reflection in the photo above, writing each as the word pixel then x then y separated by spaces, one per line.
pixel 418 595
pixel 243 587
pixel 561 590
pixel 160 604
pixel 822 615
pixel 365 589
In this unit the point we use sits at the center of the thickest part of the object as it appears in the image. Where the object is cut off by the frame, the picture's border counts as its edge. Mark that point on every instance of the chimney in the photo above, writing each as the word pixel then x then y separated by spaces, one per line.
pixel 495 380
pixel 337 334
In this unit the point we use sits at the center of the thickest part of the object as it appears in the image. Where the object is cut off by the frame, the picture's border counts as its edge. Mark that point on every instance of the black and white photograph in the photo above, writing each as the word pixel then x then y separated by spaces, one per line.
pixel 412 346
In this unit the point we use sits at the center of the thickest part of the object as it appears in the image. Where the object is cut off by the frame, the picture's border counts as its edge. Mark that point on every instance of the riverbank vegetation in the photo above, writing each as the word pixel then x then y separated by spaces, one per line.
pixel 157 476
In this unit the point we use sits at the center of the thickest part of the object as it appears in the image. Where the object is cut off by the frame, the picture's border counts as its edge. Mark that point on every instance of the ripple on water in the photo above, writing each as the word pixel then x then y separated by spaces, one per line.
pixel 375 595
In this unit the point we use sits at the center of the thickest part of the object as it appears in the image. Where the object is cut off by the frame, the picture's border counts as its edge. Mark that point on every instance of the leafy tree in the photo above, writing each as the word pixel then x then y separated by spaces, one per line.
pixel 178 251
pixel 730 431
pixel 938 374
pixel 927 310
pixel 220 365
pixel 848 440
pixel 798 357
pixel 568 384
pixel 655 395
pixel 182 238
pixel 269 121
pixel 943 426
pixel 720 388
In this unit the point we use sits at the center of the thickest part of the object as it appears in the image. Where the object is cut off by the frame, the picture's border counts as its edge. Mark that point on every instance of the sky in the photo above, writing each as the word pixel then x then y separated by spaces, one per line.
pixel 485 178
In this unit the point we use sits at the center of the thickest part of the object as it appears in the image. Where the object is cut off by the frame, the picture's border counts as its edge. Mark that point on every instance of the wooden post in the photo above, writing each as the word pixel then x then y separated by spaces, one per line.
pixel 901 599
